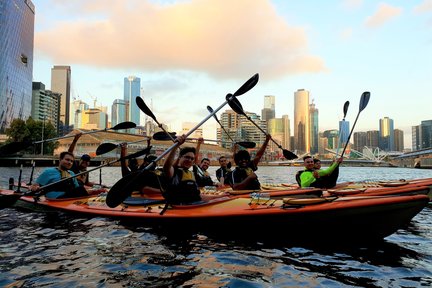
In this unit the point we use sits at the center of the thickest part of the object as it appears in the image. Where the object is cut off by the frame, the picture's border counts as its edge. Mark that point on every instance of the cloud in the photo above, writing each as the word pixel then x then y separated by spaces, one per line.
pixel 384 14
pixel 346 33
pixel 352 4
pixel 424 7
pixel 222 38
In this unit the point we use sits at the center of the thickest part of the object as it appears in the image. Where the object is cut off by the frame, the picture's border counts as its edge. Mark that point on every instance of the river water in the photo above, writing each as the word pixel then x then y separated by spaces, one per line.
pixel 61 250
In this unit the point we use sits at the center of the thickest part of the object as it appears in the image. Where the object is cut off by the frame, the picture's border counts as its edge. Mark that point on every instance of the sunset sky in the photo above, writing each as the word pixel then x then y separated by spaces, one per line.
pixel 190 54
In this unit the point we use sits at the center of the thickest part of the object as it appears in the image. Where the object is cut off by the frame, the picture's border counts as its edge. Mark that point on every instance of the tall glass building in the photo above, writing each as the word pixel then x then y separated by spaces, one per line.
pixel 119 111
pixel 132 89
pixel 16 60
pixel 386 134
pixel 301 121
pixel 61 83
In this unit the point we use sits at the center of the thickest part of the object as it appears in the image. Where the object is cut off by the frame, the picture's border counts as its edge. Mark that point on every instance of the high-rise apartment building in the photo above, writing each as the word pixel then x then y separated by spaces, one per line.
pixel 386 134
pixel 399 140
pixel 360 140
pixel 16 60
pixel 61 83
pixel 45 105
pixel 301 121
pixel 269 110
pixel 372 139
pixel 132 89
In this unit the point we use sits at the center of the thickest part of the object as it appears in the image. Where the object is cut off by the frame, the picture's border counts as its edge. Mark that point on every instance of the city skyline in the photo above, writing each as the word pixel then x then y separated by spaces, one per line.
pixel 194 59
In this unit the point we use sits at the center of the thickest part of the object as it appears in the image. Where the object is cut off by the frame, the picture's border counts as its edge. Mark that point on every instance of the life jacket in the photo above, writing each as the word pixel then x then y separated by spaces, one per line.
pixel 182 188
pixel 202 177
pixel 239 174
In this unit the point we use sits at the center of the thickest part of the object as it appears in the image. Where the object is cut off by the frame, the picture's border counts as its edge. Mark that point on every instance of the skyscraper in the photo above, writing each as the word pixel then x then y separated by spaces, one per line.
pixel 132 89
pixel 286 143
pixel 269 111
pixel 301 121
pixel 386 134
pixel 61 83
pixel 119 111
pixel 16 60
pixel 426 134
pixel 313 116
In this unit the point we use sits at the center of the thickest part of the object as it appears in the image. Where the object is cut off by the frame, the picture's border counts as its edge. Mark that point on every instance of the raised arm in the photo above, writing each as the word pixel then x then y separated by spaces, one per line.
pixel 261 151
pixel 197 149
pixel 74 141
pixel 168 167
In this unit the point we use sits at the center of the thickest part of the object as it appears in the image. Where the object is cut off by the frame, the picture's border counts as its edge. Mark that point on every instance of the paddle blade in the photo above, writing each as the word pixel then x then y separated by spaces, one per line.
pixel 163 136
pixel 364 100
pixel 345 109
pixel 289 155
pixel 123 189
pixel 139 153
pixel 124 125
pixel 247 144
pixel 248 85
pixel 14 147
pixel 235 104
pixel 143 107
pixel 105 148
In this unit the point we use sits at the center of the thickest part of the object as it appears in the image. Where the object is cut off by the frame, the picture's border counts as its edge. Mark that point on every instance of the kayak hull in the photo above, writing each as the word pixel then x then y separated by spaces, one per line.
pixel 353 219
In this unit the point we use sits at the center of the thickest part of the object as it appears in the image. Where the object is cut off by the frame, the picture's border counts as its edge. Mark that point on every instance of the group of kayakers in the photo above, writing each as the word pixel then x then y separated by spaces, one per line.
pixel 180 179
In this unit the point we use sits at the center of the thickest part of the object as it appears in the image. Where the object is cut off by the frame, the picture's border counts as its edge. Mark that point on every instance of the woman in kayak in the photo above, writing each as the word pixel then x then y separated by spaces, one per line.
pixel 182 186
pixel 243 177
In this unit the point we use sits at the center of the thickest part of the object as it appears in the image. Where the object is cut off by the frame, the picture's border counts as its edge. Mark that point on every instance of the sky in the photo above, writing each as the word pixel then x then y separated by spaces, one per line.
pixel 190 54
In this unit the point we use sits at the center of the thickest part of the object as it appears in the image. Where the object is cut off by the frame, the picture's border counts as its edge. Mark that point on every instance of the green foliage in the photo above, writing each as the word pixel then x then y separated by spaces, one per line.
pixel 31 131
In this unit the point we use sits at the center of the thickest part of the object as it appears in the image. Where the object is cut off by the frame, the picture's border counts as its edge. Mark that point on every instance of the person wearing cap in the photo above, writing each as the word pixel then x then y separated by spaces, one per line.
pixel 81 166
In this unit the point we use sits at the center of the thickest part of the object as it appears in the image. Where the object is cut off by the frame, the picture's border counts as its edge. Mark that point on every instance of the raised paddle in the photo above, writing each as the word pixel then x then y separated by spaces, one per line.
pixel 141 104
pixel 10 199
pixel 162 136
pixel 210 109
pixel 108 147
pixel 133 155
pixel 345 110
pixel 124 187
pixel 364 100
pixel 15 147
pixel 237 107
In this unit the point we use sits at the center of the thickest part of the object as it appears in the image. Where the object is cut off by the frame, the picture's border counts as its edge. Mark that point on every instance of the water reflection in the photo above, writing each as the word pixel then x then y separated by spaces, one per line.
pixel 60 250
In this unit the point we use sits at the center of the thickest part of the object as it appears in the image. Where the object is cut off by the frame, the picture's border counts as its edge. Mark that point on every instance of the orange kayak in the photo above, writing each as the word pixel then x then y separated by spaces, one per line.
pixel 342 218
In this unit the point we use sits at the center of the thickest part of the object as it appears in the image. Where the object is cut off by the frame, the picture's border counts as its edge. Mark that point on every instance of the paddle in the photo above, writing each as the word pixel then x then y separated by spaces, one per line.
pixel 345 110
pixel 15 147
pixel 133 155
pixel 162 136
pixel 141 104
pixel 108 147
pixel 210 109
pixel 125 186
pixel 364 100
pixel 237 107
pixel 31 174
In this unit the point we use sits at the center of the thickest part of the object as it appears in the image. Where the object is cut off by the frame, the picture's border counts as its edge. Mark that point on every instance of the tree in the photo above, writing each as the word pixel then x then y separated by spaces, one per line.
pixel 31 131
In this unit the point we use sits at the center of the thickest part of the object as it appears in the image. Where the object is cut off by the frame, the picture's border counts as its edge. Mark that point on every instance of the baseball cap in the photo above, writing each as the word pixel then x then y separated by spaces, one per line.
pixel 85 157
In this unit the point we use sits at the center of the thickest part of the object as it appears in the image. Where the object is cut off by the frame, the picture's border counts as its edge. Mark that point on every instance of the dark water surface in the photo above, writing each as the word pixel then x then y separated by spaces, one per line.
pixel 61 250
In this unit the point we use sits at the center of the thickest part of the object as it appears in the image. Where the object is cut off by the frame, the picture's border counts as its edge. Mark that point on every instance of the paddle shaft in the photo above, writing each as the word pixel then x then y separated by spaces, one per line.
pixel 84 172
pixel 349 136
